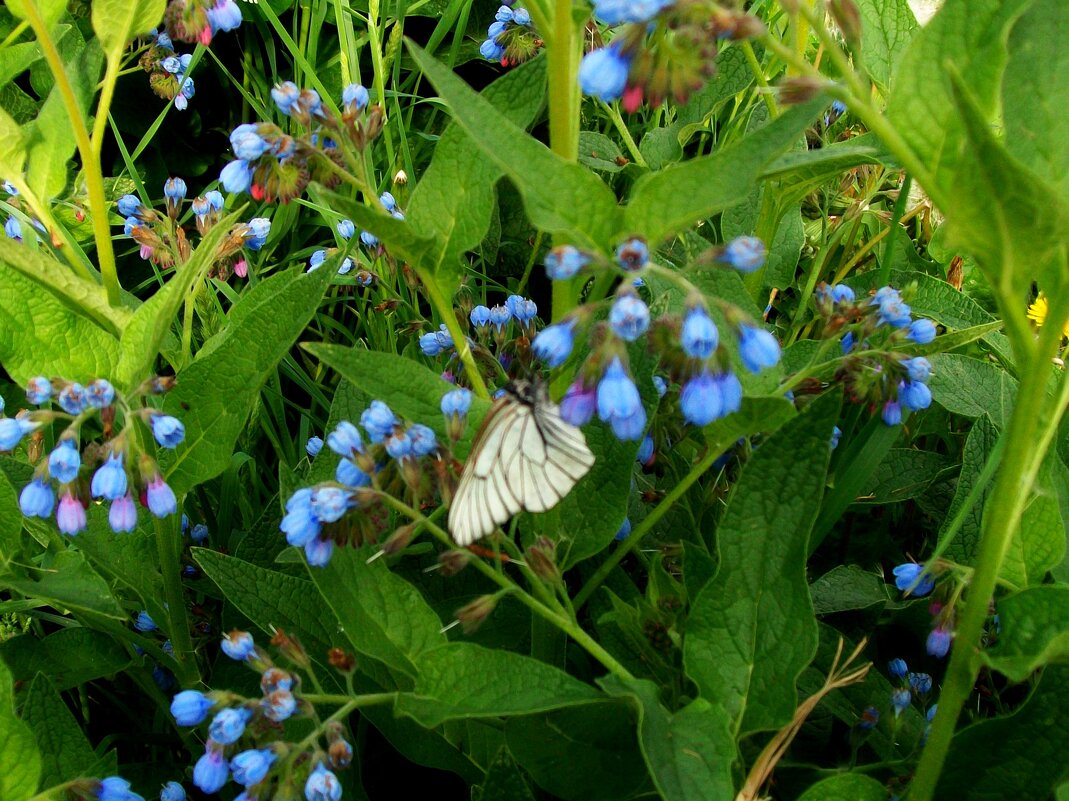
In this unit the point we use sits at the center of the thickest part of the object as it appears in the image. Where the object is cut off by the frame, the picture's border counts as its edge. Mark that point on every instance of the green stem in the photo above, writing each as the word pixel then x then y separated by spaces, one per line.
pixel 1029 432
pixel 629 142
pixel 648 523
pixel 94 179
pixel 445 311
pixel 169 546
pixel 896 220
pixel 759 76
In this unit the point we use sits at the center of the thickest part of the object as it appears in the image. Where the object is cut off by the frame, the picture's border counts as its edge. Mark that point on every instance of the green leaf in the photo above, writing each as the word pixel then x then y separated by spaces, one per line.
pixel 971 34
pixel 978 447
pixel 678 196
pixel 132 557
pixel 78 295
pixel 65 752
pixel 1035 91
pixel 50 140
pixel 904 473
pixel 751 630
pixel 147 326
pixel 273 600
pixel 116 22
pixel 50 10
pixel 10 521
pixel 69 657
pixel 504 781
pixel 406 386
pixel 20 760
pixel 381 614
pixel 69 583
pixel 845 787
pixel 1033 631
pixel 972 388
pixel 1018 756
pixel 599 152
pixel 689 753
pixel 41 334
pixel 786 246
pixel 454 200
pixel 887 27
pixel 12 146
pixel 462 680
pixel 561 197
pixel 580 753
pixel 846 588
pixel 660 147
pixel 1039 541
pixel 216 392
pixel 1021 222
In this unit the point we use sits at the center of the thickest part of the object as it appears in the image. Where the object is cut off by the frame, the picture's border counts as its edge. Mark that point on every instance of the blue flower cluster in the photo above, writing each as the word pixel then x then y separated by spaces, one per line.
pixel 199 20
pixel 913 580
pixel 313 514
pixel 241 745
pixel 710 390
pixel 168 71
pixel 113 480
pixel 510 39
pixel 883 378
pixel 165 243
pixel 907 685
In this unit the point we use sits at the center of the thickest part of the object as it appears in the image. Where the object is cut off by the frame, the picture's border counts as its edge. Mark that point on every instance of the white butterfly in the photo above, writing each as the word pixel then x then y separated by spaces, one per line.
pixel 525 458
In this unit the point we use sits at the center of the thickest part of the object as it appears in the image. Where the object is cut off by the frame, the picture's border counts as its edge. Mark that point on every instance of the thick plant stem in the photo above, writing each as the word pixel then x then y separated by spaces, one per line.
pixel 445 310
pixel 563 54
pixel 1031 419
pixel 94 179
pixel 169 545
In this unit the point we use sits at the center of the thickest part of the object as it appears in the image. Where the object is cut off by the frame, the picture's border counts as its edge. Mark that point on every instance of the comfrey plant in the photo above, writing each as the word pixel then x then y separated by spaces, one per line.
pixel 121 469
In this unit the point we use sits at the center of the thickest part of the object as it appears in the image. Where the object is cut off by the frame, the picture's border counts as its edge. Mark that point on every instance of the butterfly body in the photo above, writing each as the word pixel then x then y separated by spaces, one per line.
pixel 525 458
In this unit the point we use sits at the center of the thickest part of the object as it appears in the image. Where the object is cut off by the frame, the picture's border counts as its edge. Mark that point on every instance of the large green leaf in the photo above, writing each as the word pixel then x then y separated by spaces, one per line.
pixel 1018 756
pixel 904 473
pixel 845 787
pixel 887 27
pixel 751 630
pixel 504 781
pixel 463 680
pixel 20 759
pixel 381 614
pixel 978 447
pixel 40 334
pixel 1035 93
pixel 130 557
pixel 971 387
pixel 1033 631
pixel 690 752
pixel 65 752
pixel 68 657
pixel 116 22
pixel 216 392
pixel 580 753
pixel 274 600
pixel 454 200
pixel 12 145
pixel 10 520
pixel 69 583
pixel 674 199
pixel 561 197
pixel 49 10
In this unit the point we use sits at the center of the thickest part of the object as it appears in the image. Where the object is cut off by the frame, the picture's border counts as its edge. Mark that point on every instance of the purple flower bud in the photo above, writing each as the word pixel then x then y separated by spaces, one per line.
pixel 322 785
pixel 329 504
pixel 836 435
pixel 645 450
pixel 211 771
pixel 225 15
pixel 758 349
pixel 13 229
pixel 603 73
pixel 388 202
pixel 144 622
pixel 921 331
pixel 841 293
pixel 892 413
pixel 250 767
pixel 521 16
pixel 199 533
pixel 938 642
pixel 619 403
pixel 190 708
pixel 238 645
pixel 660 385
pixel 369 239
pixel 64 462
pixel 700 335
pixel 37 499
pixel 160 498
pixel 578 404
pixel 920 683
pixel 491 50
pixel 745 253
pixel 115 788
pixel 504 14
pixel 629 317
pixel 122 516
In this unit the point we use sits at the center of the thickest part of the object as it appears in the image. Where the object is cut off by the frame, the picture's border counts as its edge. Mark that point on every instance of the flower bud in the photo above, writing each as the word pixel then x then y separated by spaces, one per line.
pixel 473 615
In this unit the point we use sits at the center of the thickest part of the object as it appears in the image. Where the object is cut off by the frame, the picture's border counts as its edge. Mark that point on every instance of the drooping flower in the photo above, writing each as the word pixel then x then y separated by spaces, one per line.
pixel 191 707
pixel 250 767
pixel 238 645
pixel 700 336
pixel 617 12
pixel 938 642
pixel 758 349
pixel 603 72
pixel 629 317
pixel 109 481
pixel 745 253
pixel 228 725
pixel 565 262
pixel 122 516
pixel 211 771
pixel 922 331
pixel 578 404
pixel 70 515
pixel 378 421
pixel 168 431
pixel 619 404
pixel 37 499
pixel 313 446
pixel 322 785
pixel 160 497
pixel 554 343
pixel 911 577
pixel 897 668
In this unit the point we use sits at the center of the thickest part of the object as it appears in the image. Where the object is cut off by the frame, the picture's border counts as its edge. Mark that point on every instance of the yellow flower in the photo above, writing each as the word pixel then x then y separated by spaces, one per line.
pixel 1037 313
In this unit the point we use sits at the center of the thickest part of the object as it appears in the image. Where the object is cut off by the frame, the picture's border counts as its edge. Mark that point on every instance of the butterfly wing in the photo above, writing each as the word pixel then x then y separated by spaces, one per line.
pixel 526 458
